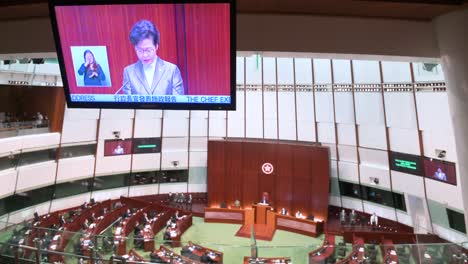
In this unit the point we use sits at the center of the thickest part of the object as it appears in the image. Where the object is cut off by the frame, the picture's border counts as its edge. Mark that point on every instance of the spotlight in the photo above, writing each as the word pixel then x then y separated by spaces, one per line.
pixel 116 134
pixel 442 154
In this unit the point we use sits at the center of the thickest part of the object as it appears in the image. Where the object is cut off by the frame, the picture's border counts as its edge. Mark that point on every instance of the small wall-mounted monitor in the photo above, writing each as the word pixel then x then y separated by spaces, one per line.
pixel 117 147
pixel 440 170
pixel 406 163
pixel 146 54
pixel 146 145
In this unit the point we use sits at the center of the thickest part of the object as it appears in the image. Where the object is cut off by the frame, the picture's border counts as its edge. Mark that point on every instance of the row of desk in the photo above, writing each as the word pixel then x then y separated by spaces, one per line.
pixel 198 252
pixel 357 254
pixel 320 255
pixel 70 228
pixel 261 260
pixel 389 253
pixel 168 256
pixel 273 219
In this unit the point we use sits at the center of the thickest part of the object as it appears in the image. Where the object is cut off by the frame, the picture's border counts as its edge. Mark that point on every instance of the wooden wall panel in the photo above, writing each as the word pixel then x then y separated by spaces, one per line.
pixel 250 172
pixel 216 173
pixel 320 183
pixel 300 180
pixel 284 169
pixel 266 182
pixel 301 176
pixel 232 180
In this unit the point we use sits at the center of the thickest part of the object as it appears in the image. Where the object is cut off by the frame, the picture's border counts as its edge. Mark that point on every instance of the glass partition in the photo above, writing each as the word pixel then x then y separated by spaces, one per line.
pixel 22 128
pixel 28 242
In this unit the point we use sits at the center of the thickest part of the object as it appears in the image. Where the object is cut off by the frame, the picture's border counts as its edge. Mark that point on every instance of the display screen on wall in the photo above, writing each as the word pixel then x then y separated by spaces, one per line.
pixel 146 54
pixel 117 147
pixel 406 163
pixel 440 170
pixel 146 145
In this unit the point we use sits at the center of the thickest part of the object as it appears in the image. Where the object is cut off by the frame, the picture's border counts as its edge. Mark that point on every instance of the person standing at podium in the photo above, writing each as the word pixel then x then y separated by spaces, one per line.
pixel 264 199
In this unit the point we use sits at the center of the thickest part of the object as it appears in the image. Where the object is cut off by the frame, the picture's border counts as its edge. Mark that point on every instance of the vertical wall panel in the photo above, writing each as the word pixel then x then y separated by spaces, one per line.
pixel 305 116
pixel 254 114
pixel 287 115
pixel 270 115
pixel 236 118
pixel 344 107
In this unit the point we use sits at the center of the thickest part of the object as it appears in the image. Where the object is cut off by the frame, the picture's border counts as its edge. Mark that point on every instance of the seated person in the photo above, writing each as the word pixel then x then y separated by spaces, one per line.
pixel 223 204
pixel 62 220
pixel 137 228
pixel 176 217
pixel 144 219
pixel 36 217
pixel 92 218
pixel 237 204
pixel 284 211
pixel 127 214
pixel 85 224
pixel 311 217
pixel 138 240
pixel 300 215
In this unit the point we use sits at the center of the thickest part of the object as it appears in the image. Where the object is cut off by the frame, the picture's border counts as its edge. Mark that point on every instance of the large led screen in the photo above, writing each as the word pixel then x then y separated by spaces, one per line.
pixel 146 54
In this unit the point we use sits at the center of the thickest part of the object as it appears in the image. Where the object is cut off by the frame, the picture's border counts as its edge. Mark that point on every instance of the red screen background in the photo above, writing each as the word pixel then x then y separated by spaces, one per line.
pixel 195 37
pixel 430 167
pixel 110 145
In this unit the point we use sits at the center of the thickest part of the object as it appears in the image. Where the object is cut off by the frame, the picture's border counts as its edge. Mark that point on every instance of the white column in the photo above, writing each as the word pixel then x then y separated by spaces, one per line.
pixel 452 36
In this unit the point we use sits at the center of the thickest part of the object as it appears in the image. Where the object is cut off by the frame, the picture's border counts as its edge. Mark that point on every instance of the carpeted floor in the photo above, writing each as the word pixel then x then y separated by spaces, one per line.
pixel 222 237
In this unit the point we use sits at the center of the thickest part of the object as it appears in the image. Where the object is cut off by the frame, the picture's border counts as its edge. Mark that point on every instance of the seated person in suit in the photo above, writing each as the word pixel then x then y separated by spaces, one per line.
pixel 237 204
pixel 85 224
pixel 36 217
pixel 137 228
pixel 176 217
pixel 223 204
pixel 138 240
pixel 62 220
pixel 170 232
pixel 93 218
pixel 127 214
pixel 284 211
pixel 300 215
pixel 311 217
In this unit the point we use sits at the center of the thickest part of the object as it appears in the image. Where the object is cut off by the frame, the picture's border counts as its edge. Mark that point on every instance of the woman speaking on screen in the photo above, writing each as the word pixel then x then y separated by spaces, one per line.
pixel 150 75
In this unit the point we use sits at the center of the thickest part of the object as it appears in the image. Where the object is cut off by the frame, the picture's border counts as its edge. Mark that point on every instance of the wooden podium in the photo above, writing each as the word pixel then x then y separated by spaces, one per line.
pixel 261 213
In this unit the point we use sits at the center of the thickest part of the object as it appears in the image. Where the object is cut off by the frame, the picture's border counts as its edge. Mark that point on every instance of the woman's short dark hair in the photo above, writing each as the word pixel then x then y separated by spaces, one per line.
pixel 144 29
